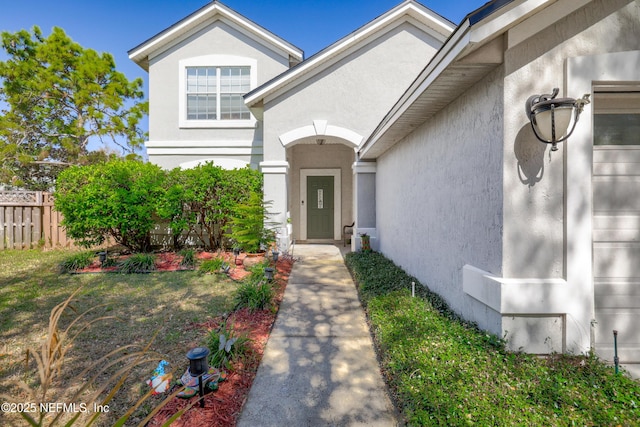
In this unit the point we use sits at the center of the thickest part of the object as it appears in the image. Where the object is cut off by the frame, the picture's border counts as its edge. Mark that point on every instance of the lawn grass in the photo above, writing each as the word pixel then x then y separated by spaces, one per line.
pixel 139 305
pixel 444 371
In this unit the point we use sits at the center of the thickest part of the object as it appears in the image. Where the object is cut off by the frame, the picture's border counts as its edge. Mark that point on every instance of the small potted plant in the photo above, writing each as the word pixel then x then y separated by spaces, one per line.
pixel 365 242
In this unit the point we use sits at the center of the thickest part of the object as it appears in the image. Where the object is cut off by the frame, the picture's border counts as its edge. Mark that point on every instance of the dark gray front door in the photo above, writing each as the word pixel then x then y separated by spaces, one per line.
pixel 320 207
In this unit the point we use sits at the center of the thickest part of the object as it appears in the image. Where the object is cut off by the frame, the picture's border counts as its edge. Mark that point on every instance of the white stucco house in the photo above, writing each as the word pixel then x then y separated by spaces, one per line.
pixel 415 129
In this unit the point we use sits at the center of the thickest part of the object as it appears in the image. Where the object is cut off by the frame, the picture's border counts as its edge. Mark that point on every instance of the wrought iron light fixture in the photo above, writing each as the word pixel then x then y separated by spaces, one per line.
pixel 554 119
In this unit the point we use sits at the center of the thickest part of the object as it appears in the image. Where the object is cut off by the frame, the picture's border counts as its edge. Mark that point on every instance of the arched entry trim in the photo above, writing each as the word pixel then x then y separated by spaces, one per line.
pixel 321 128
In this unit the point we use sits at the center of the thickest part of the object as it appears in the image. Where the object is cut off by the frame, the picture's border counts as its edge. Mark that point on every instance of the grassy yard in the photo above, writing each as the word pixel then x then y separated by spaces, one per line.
pixel 445 372
pixel 138 306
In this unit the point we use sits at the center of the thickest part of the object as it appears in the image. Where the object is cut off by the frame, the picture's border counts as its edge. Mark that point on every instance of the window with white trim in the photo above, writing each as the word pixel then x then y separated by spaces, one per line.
pixel 215 93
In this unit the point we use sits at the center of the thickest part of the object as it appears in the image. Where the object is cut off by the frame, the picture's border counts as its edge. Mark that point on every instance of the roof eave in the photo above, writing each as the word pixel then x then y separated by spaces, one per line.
pixel 432 90
pixel 323 58
pixel 140 54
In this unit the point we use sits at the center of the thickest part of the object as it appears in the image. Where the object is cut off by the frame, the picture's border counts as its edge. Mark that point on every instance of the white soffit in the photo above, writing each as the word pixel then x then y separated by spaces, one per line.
pixel 470 54
pixel 437 26
pixel 168 37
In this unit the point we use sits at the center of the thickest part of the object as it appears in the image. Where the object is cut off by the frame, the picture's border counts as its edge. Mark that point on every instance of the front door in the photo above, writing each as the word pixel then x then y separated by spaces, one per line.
pixel 320 207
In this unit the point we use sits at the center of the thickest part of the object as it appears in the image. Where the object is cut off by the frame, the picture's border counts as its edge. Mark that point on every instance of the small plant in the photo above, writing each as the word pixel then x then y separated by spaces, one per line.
pixel 188 258
pixel 76 262
pixel 254 294
pixel 110 262
pixel 248 225
pixel 225 346
pixel 211 265
pixel 138 263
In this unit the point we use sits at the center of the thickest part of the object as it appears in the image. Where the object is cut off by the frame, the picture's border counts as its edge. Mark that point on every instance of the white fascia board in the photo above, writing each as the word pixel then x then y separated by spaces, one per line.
pixel 201 144
pixel 408 8
pixel 290 49
pixel 201 151
pixel 441 61
pixel 501 23
pixel 465 39
pixel 194 20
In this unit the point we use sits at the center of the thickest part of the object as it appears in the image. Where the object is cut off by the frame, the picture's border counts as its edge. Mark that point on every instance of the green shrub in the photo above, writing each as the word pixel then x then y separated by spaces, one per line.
pixel 138 263
pixel 208 196
pixel 248 225
pixel 188 258
pixel 77 262
pixel 116 199
pixel 211 265
pixel 377 275
pixel 225 346
pixel 254 293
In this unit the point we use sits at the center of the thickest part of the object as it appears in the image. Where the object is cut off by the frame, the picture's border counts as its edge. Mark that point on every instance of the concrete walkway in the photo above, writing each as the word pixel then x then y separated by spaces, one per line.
pixel 319 367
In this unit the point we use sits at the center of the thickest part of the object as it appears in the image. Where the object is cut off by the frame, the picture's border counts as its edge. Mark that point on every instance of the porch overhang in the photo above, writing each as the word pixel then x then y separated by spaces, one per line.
pixel 474 50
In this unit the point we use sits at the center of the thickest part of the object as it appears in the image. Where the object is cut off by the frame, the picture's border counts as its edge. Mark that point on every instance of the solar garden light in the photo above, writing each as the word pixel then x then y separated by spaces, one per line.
pixel 236 252
pixel 268 273
pixel 554 119
pixel 274 255
pixel 102 257
pixel 198 366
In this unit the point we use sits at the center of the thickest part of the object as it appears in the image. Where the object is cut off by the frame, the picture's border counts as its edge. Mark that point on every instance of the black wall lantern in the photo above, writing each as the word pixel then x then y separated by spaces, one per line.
pixel 554 119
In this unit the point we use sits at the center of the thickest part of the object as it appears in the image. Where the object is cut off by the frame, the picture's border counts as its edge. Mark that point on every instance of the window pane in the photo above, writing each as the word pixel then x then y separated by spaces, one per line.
pixel 232 108
pixel 201 80
pixel 201 107
pixel 616 129
pixel 203 92
pixel 234 82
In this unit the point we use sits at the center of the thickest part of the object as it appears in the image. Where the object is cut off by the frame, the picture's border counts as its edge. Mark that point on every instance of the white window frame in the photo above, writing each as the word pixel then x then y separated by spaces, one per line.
pixel 213 61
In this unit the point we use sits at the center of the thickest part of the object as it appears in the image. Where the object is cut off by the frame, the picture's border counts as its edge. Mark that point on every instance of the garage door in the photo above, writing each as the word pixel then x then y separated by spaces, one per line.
pixel 616 225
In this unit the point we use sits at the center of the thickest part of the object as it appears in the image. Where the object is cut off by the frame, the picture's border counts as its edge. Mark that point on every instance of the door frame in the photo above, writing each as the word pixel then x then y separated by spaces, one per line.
pixel 337 198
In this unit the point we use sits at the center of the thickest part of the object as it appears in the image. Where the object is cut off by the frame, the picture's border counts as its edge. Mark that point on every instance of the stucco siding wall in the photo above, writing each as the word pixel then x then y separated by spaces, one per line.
pixel 440 194
pixel 354 93
pixel 221 39
pixel 534 228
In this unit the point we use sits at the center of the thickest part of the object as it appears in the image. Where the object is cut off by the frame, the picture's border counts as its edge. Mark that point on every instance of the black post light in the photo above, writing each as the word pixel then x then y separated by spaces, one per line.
pixel 198 366
pixel 102 257
pixel 554 119
pixel 275 255
pixel 236 252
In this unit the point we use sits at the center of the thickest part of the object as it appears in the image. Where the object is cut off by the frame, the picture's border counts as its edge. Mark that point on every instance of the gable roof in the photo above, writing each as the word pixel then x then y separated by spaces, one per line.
pixel 207 14
pixel 473 51
pixel 432 23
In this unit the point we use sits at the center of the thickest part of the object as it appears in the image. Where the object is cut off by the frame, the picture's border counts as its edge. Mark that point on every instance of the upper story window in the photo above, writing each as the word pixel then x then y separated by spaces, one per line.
pixel 211 91
pixel 215 93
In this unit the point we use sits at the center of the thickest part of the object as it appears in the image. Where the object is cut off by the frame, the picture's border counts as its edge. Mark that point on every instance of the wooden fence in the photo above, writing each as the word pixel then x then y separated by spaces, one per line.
pixel 28 220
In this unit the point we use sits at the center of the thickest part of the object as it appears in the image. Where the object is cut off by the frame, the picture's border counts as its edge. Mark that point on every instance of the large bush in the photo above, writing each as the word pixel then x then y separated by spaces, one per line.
pixel 125 199
pixel 203 200
pixel 116 199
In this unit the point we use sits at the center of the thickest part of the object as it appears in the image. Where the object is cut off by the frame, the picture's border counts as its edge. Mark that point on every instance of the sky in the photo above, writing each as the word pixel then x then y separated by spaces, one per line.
pixel 117 26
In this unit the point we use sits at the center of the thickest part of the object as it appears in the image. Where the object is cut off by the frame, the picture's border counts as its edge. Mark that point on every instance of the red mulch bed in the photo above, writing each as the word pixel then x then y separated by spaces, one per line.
pixel 165 261
pixel 170 261
pixel 223 406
